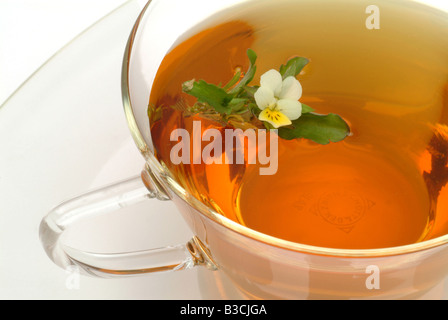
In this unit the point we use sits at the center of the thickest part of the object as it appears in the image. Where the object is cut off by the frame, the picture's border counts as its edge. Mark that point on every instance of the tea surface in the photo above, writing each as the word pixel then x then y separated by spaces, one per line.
pixel 384 185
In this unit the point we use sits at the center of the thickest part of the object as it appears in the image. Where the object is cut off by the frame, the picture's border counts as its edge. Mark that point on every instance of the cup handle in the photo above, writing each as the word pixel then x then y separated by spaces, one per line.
pixel 105 265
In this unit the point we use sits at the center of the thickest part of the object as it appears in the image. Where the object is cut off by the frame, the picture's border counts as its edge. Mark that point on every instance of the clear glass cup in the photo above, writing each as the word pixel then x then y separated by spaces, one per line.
pixel 259 265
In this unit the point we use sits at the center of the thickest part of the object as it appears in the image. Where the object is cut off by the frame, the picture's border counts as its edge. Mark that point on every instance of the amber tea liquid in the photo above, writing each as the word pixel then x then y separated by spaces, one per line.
pixel 383 186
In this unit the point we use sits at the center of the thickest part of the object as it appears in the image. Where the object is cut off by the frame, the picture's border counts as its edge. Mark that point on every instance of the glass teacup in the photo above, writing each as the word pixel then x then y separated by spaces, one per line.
pixel 260 265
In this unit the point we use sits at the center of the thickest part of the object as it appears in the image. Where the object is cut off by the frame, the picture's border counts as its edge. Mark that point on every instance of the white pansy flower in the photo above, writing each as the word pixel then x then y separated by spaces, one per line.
pixel 278 99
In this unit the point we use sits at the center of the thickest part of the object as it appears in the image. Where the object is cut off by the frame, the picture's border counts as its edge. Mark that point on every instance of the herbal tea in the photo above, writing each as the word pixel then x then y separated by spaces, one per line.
pixel 382 185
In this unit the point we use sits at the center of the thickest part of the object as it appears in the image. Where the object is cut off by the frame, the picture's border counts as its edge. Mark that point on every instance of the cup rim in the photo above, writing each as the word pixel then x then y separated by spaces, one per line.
pixel 161 172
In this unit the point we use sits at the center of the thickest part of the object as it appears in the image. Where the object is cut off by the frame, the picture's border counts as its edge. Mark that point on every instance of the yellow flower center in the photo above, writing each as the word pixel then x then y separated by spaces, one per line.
pixel 274 117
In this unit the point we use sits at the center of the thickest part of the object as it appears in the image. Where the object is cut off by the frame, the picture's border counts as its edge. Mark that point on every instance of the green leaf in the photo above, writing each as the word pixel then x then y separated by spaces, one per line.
pixel 208 93
pixel 268 126
pixel 237 104
pixel 293 67
pixel 322 129
pixel 306 109
pixel 233 81
pixel 249 76
pixel 254 109
pixel 251 90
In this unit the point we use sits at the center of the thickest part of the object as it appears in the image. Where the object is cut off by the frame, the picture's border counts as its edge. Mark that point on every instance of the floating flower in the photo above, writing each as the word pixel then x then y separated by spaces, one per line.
pixel 278 99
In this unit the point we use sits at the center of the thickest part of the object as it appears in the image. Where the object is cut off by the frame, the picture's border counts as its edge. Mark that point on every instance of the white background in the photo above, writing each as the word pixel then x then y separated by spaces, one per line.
pixel 31 31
